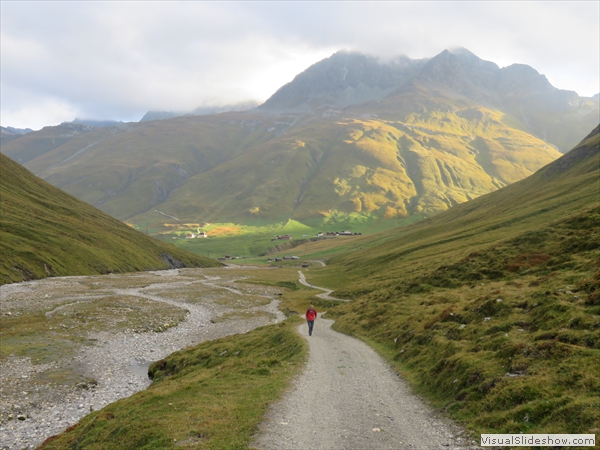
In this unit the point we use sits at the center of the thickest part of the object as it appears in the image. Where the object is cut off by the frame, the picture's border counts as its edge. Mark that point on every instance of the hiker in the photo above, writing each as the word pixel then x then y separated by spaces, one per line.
pixel 311 315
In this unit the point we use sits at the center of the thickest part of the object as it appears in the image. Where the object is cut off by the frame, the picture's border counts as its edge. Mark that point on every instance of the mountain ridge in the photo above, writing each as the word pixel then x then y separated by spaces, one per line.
pixel 349 138
pixel 512 88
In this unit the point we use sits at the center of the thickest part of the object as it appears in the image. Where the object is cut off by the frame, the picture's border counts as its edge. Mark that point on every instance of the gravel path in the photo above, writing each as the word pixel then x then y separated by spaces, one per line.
pixel 318 261
pixel 118 362
pixel 348 398
pixel 324 296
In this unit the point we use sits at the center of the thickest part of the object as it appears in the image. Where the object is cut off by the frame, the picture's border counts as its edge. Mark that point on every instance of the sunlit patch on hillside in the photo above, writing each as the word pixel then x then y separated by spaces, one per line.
pixel 224 230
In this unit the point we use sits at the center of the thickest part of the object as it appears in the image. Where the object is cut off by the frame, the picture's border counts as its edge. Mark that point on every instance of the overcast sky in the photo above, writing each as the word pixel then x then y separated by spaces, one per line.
pixel 117 60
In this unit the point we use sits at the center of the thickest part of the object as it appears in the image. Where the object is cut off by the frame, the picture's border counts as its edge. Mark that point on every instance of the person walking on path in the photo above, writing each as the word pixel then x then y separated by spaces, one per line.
pixel 311 315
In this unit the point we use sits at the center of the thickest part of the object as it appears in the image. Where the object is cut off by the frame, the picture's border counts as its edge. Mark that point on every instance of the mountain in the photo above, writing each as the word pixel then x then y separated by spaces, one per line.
pixel 46 232
pixel 557 116
pixel 349 139
pixel 9 133
pixel 160 115
pixel 97 123
pixel 12 130
pixel 51 137
pixel 342 80
pixel 129 170
pixel 357 167
pixel 34 144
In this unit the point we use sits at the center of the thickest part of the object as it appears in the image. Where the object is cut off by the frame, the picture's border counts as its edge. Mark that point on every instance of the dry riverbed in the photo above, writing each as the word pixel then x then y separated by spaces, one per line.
pixel 74 344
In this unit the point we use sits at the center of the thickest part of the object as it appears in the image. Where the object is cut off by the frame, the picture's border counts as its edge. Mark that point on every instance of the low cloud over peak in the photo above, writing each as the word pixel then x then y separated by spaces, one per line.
pixel 118 60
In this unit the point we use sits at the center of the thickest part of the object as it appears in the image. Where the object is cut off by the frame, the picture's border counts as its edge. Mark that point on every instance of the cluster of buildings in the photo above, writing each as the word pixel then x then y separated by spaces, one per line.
pixel 285 258
pixel 339 233
pixel 201 234
pixel 287 237
pixel 228 258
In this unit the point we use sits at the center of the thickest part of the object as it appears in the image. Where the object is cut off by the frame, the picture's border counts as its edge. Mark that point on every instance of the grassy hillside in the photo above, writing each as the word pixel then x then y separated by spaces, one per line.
pixel 46 232
pixel 31 145
pixel 132 169
pixel 492 308
pixel 555 192
pixel 372 168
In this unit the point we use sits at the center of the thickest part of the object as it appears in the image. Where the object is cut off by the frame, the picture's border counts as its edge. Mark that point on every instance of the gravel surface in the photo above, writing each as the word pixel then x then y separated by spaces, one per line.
pixel 34 406
pixel 348 398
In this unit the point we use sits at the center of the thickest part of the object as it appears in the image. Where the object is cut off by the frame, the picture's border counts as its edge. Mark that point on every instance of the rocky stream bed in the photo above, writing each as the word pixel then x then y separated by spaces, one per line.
pixel 72 345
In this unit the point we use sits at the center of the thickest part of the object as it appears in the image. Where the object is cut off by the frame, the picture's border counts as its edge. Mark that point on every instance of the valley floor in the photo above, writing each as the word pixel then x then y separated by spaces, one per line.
pixel 74 344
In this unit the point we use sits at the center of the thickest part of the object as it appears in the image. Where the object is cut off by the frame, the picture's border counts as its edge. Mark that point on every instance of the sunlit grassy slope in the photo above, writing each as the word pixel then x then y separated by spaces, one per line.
pixel 46 232
pixel 370 168
pixel 492 308
pixel 555 192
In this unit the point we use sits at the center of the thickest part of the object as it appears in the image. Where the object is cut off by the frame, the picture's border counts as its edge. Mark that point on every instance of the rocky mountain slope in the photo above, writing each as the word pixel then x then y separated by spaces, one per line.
pixel 199 111
pixel 557 116
pixel 350 137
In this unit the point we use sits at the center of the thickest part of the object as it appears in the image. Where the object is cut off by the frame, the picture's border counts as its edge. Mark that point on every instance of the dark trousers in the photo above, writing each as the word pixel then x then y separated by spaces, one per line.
pixel 311 323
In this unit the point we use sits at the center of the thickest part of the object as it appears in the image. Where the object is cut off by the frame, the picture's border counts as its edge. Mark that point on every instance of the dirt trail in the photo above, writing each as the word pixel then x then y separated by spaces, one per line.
pixel 348 398
pixel 318 261
pixel 324 296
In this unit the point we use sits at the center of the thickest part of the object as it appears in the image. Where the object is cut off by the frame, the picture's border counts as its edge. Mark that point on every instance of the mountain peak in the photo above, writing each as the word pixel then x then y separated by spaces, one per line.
pixel 463 72
pixel 464 53
pixel 345 78
pixel 348 78
pixel 524 77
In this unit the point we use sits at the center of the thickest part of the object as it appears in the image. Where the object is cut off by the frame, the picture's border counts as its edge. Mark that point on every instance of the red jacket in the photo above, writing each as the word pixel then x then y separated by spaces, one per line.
pixel 311 314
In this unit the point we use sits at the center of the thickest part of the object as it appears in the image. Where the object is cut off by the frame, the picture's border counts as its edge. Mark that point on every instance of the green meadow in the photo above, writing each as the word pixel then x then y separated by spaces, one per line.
pixel 257 239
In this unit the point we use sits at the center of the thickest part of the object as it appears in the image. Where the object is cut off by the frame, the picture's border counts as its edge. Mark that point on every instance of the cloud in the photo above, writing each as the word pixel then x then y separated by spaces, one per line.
pixel 36 109
pixel 119 59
